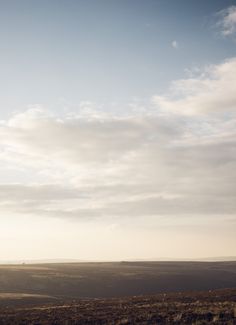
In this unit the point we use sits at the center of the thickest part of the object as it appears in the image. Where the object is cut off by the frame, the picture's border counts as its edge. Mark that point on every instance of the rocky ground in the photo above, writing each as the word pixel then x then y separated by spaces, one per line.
pixel 208 307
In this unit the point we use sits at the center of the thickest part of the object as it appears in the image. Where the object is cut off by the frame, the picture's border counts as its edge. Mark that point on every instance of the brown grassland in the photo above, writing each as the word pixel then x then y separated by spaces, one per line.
pixel 119 293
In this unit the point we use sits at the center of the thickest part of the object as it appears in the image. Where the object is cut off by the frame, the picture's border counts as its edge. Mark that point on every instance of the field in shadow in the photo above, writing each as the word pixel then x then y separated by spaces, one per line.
pixel 214 307
pixel 118 293
pixel 106 280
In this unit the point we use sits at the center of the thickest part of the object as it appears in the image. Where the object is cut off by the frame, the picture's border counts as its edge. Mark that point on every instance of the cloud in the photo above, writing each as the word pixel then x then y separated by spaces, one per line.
pixel 147 165
pixel 227 21
pixel 175 44
pixel 211 91
pixel 80 139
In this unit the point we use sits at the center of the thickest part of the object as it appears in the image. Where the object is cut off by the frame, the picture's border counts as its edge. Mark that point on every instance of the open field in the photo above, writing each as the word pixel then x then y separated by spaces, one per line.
pixel 214 307
pixel 119 293
pixel 100 280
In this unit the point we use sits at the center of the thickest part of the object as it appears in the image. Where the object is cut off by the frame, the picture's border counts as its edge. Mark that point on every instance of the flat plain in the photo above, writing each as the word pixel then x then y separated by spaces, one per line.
pixel 118 293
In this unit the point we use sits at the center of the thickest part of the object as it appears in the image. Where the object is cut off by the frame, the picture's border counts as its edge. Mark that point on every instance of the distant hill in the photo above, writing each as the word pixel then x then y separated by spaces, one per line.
pixel 219 259
pixel 160 259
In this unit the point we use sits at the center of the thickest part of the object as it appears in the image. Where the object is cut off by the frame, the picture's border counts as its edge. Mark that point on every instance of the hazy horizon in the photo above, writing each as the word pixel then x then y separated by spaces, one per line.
pixel 117 129
pixel 162 259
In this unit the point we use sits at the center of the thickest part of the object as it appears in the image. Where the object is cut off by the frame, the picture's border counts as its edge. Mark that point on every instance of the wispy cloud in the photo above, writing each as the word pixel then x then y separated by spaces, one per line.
pixel 211 91
pixel 227 21
pixel 174 44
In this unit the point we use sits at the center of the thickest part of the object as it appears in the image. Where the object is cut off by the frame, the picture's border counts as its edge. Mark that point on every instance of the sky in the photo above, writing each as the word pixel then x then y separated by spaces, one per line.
pixel 117 129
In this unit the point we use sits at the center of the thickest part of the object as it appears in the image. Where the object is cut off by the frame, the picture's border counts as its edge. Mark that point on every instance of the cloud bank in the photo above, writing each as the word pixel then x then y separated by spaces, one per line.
pixel 174 163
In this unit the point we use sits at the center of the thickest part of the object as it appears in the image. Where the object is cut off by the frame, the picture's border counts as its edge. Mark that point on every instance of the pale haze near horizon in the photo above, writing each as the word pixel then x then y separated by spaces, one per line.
pixel 117 129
